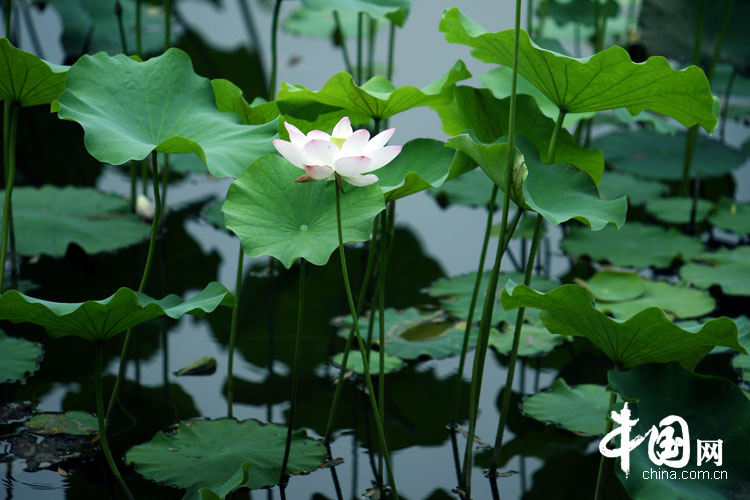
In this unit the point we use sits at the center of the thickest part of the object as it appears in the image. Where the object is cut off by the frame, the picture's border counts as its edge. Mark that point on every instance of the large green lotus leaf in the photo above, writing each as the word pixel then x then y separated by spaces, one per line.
pixel 535 339
pixel 48 219
pixel 455 293
pixel 578 409
pixel 92 25
pixel 354 362
pixel 730 269
pixel 712 407
pixel 606 80
pixel 557 192
pixel 212 454
pixel 677 210
pixel 320 23
pixel 638 191
pixel 498 81
pixel 28 80
pixel 487 116
pixel 615 285
pixel 229 97
pixel 129 109
pixel 273 215
pixel 659 156
pixel 472 189
pixel 17 358
pixel 679 300
pixel 647 337
pixel 742 361
pixel 75 423
pixel 625 247
pixel 732 216
pixel 422 164
pixel 100 320
pixel 377 98
pixel 395 10
pixel 574 11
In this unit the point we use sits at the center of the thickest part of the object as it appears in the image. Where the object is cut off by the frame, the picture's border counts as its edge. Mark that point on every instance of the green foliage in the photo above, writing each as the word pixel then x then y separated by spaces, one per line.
pixel 17 358
pixel 535 339
pixel 75 423
pixel 732 216
pixel 677 210
pixel 678 300
pixel 395 10
pixel 730 269
pixel 354 363
pixel 578 409
pixel 27 80
pixel 638 191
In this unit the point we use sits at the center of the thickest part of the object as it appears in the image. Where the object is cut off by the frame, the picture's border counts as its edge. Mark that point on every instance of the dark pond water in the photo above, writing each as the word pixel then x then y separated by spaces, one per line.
pixel 431 242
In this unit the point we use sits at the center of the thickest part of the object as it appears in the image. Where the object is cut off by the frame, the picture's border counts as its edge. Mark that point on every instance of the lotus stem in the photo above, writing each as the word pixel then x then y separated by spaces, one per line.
pixel 725 107
pixel 233 334
pixel 555 135
pixel 9 138
pixel 274 50
pixel 530 18
pixel 33 35
pixel 8 16
pixel 138 34
pixel 381 325
pixel 391 50
pixel 360 34
pixel 102 426
pixel 167 24
pixel 365 364
pixel 344 51
pixel 603 460
pixel 371 34
pixel 121 27
pixel 295 373
pixel 252 33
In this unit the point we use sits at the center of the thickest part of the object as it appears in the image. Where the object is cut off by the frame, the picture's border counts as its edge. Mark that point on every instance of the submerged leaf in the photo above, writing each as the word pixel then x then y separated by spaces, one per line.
pixel 17 358
pixel 28 80
pixel 100 320
pixel 582 408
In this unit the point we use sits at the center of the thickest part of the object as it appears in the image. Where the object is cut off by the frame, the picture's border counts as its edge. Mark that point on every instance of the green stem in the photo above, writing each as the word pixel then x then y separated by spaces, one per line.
pixel 505 405
pixel 381 325
pixel 539 33
pixel 164 180
pixel 102 428
pixel 252 33
pixel 371 32
pixel 144 177
pixel 365 364
pixel 603 460
pixel 8 16
pixel 360 35
pixel 233 333
pixel 725 107
pixel 555 135
pixel 295 371
pixel 530 18
pixel 138 35
pixel 274 50
pixel 167 24
pixel 597 26
pixel 344 50
pixel 391 50
pixel 121 27
pixel 144 279
pixel 133 185
pixel 10 168
pixel 720 39
pixel 603 21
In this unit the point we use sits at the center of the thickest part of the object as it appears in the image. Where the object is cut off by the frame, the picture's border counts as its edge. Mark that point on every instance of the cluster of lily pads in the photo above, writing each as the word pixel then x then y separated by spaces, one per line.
pixel 574 143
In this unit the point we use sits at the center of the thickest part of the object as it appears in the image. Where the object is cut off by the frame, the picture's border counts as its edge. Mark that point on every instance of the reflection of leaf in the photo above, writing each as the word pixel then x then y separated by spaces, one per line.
pixel 606 80
pixel 579 409
pixel 273 215
pixel 730 269
pixel 26 79
pixel 17 358
pixel 250 455
pixel 647 337
pixel 47 220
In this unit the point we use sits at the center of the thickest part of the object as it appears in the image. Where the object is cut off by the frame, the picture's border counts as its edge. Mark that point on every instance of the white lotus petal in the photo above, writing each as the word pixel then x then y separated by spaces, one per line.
pixel 319 135
pixel 361 180
pixel 317 152
pixel 355 144
pixel 318 172
pixel 290 152
pixel 379 141
pixel 343 129
pixel 383 157
pixel 295 135
pixel 351 165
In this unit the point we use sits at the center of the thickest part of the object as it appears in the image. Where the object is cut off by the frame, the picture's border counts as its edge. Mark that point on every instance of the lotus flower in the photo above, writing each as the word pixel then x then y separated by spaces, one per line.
pixel 350 154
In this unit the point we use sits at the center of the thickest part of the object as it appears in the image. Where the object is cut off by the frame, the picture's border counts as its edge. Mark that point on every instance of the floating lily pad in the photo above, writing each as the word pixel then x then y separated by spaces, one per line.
pixel 638 191
pixel 581 85
pixel 129 109
pixel 320 23
pixel 273 215
pixel 394 10
pixel 204 366
pixel 678 300
pixel 677 210
pixel 582 408
pixel 377 98
pixel 354 362
pixel 659 156
pixel 74 423
pixel 647 337
pixel 472 189
pixel 48 219
pixel 481 112
pixel 557 192
pixel 250 456
pixel 732 216
pixel 575 11
pixel 422 164
pixel 99 320
pixel 730 269
pixel 614 285
pixel 712 407
pixel 535 339
pixel 17 358
pixel 28 80
pixel 625 247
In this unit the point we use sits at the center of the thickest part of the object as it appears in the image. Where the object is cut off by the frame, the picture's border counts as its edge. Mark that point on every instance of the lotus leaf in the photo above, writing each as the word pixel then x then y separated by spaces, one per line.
pixel 17 358
pixel 578 409
pixel 27 79
pixel 730 269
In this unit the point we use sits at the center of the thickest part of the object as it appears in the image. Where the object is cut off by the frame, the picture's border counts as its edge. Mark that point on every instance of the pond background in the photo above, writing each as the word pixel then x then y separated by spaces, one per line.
pixel 451 237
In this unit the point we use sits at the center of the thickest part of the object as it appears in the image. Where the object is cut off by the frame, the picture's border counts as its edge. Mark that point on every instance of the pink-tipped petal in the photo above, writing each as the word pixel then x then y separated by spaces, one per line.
pixel 295 135
pixel 304 178
pixel 290 152
pixel 317 152
pixel 379 140
pixel 362 180
pixel 355 144
pixel 318 172
pixel 383 157
pixel 351 165
pixel 343 128
pixel 319 135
